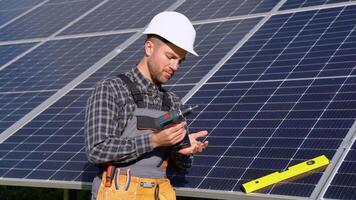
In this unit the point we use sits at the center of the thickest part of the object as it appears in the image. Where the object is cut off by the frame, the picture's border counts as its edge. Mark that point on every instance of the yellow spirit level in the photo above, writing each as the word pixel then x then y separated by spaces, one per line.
pixel 292 172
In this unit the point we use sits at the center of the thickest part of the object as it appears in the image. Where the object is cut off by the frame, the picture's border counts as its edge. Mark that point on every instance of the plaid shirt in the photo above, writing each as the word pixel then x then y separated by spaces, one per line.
pixel 109 108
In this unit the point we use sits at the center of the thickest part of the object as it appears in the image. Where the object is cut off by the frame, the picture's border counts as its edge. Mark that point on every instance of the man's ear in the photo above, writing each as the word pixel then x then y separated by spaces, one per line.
pixel 149 48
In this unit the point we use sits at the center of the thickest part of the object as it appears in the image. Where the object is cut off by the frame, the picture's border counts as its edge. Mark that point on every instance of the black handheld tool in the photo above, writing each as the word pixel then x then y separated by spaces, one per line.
pixel 159 123
pixel 164 121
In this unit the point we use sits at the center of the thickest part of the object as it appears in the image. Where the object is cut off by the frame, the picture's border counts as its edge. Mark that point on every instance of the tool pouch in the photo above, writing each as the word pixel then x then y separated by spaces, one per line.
pixel 125 187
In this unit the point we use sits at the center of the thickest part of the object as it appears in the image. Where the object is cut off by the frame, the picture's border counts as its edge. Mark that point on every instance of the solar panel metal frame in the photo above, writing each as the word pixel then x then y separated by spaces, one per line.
pixel 336 163
pixel 318 191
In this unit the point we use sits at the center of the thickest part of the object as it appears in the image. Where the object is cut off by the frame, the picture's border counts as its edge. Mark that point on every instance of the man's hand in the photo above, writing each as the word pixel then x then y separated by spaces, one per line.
pixel 169 136
pixel 195 144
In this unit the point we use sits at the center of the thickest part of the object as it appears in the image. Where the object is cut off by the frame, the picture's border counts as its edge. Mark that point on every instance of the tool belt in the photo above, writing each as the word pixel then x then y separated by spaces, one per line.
pixel 117 186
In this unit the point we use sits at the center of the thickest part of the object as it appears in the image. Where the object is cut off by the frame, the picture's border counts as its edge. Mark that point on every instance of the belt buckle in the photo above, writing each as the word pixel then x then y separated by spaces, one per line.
pixel 147 184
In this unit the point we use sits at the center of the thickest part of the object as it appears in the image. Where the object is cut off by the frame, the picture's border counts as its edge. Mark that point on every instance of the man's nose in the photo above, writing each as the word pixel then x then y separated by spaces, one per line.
pixel 175 65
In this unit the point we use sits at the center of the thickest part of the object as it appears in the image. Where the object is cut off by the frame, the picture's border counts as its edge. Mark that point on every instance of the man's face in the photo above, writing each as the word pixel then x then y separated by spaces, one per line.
pixel 164 61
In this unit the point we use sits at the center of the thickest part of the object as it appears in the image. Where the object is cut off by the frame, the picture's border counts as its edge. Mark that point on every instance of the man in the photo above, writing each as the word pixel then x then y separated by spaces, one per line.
pixel 132 160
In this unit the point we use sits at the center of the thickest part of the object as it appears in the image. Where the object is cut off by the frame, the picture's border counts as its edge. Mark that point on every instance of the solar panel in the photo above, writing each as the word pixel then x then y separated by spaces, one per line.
pixel 277 101
pixel 45 20
pixel 116 15
pixel 290 4
pixel 52 147
pixel 274 87
pixel 48 68
pixel 201 9
pixel 62 123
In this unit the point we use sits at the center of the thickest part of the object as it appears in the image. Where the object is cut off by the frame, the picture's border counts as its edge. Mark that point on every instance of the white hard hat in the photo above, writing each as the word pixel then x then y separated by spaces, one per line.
pixel 174 27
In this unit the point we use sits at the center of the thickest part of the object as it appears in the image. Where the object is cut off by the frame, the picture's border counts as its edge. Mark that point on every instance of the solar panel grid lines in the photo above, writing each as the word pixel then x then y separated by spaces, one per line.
pixel 226 127
pixel 317 7
pixel 16 14
pixel 56 61
pixel 56 141
pixel 331 100
pixel 113 16
pixel 301 42
pixel 60 73
pixel 291 4
pixel 226 35
pixel 201 10
pixel 214 40
pixel 9 52
pixel 104 70
pixel 47 20
pixel 283 96
pixel 122 62
pixel 214 80
pixel 225 99
pixel 16 5
pixel 83 35
pixel 230 144
pixel 338 191
pixel 63 145
pixel 222 153
pixel 14 105
pixel 49 36
pixel 228 55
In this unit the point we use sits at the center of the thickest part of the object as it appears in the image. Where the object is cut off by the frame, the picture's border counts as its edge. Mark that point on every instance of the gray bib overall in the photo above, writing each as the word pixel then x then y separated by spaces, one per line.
pixel 148 165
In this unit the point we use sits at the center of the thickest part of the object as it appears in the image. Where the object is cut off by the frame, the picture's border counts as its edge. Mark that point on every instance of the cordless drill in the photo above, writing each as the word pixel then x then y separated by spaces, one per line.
pixel 164 121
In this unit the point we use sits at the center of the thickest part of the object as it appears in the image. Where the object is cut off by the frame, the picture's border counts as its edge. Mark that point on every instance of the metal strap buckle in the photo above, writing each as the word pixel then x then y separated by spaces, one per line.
pixel 147 184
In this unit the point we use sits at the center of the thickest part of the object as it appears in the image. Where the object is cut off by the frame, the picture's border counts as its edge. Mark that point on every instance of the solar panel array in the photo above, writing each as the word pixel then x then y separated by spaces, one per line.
pixel 275 84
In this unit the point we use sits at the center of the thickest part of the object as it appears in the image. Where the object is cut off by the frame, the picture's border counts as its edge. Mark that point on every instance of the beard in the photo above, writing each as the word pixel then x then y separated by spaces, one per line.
pixel 156 75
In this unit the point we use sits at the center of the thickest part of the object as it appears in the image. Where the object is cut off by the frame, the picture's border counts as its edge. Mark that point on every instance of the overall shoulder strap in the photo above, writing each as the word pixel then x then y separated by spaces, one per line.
pixel 166 101
pixel 135 92
pixel 137 95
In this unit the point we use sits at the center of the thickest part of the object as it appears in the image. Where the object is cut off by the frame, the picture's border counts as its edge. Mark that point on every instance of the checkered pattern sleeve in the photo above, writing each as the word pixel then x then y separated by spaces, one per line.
pixel 105 119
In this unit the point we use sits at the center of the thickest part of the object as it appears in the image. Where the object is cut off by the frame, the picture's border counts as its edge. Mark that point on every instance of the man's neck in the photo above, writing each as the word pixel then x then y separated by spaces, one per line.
pixel 143 68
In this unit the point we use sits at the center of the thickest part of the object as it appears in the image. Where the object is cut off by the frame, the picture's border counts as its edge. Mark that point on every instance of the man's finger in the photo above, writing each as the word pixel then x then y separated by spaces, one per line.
pixel 200 134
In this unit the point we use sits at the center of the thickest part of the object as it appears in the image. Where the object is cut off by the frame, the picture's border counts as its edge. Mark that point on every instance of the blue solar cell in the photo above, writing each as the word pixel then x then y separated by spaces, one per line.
pixel 18 4
pixel 13 106
pixel 290 4
pixel 9 52
pixel 45 20
pixel 117 15
pixel 6 16
pixel 40 175
pixel 201 9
